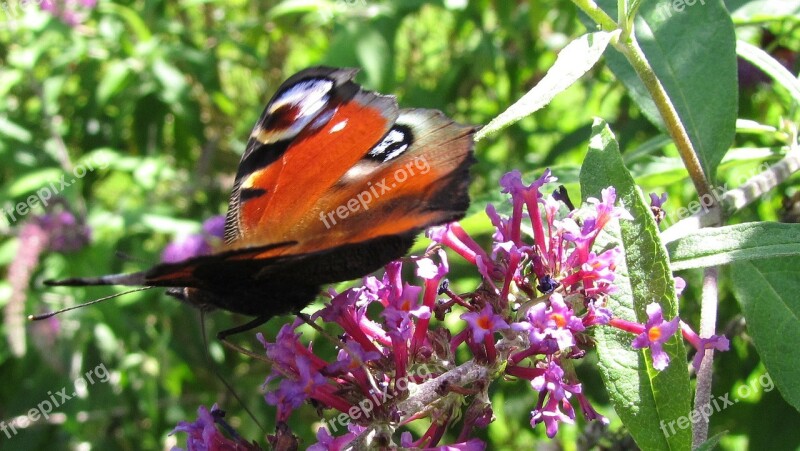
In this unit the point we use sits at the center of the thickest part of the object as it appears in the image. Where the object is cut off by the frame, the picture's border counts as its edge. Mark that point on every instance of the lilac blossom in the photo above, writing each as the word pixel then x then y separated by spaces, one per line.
pixel 57 230
pixel 657 206
pixel 543 285
pixel 656 332
pixel 203 434
pixel 718 342
pixel 71 12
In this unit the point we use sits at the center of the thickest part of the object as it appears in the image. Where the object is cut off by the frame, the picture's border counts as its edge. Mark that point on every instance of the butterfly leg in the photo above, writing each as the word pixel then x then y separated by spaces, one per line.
pixel 222 335
pixel 218 417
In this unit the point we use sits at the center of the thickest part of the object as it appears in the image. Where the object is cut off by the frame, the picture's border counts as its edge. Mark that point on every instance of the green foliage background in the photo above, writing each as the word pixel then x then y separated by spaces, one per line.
pixel 167 93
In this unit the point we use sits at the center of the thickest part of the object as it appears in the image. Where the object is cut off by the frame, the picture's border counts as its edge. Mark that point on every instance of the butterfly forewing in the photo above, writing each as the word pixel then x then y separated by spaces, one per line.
pixel 304 162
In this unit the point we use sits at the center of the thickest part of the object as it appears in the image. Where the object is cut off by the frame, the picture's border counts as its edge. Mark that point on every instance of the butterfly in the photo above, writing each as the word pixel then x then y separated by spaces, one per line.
pixel 335 182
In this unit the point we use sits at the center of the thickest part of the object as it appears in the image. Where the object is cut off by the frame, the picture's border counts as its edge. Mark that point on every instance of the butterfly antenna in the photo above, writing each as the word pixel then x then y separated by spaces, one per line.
pixel 66 309
pixel 213 366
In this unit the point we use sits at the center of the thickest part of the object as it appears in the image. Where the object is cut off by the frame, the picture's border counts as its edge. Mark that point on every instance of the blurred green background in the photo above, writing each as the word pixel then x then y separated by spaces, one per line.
pixel 164 94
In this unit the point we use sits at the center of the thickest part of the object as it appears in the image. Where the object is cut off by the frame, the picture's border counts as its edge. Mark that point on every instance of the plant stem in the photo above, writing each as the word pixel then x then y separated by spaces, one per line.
pixel 596 14
pixel 630 48
pixel 735 199
pixel 708 319
pixel 423 396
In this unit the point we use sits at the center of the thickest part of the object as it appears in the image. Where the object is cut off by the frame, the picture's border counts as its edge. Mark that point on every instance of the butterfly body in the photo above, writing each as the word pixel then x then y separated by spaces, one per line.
pixel 335 182
pixel 285 285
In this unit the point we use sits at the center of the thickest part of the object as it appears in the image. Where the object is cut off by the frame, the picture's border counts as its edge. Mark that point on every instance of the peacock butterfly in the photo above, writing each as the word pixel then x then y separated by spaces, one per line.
pixel 335 182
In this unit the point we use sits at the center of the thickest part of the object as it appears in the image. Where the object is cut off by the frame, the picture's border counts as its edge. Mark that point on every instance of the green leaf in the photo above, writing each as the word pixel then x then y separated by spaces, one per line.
pixel 647 148
pixel 711 443
pixel 573 61
pixel 289 7
pixel 167 224
pixel 373 52
pixel 113 81
pixel 762 11
pixel 693 54
pixel 32 181
pixel 134 22
pixel 649 402
pixel 51 90
pixel 100 158
pixel 14 131
pixel 9 78
pixel 767 291
pixel 722 245
pixel 171 79
pixel 223 103
pixel 770 66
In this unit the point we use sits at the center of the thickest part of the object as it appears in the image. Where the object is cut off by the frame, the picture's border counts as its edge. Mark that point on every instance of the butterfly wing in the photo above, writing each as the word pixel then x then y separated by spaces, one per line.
pixel 302 144
pixel 360 170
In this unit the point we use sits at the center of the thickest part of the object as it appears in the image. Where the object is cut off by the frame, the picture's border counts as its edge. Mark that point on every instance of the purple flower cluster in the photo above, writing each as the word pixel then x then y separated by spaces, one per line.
pixel 543 286
pixel 538 296
pixel 71 12
pixel 204 435
pixel 58 230
pixel 64 232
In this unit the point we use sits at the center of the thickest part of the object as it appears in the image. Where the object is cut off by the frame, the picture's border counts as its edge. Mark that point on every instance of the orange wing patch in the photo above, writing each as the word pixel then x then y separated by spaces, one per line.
pixel 422 185
pixel 311 165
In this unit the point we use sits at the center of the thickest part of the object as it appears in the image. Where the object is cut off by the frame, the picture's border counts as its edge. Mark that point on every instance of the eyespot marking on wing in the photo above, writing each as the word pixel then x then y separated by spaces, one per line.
pixel 293 110
pixel 396 141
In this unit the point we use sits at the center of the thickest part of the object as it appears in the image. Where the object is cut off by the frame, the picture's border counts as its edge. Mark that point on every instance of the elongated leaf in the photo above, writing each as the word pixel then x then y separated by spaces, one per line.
pixel 295 7
pixel 647 401
pixel 14 131
pixel 767 291
pixel 763 11
pixel 711 443
pixel 692 50
pixel 171 79
pixel 770 66
pixel 30 182
pixel 114 80
pixel 134 22
pixel 723 245
pixel 573 61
